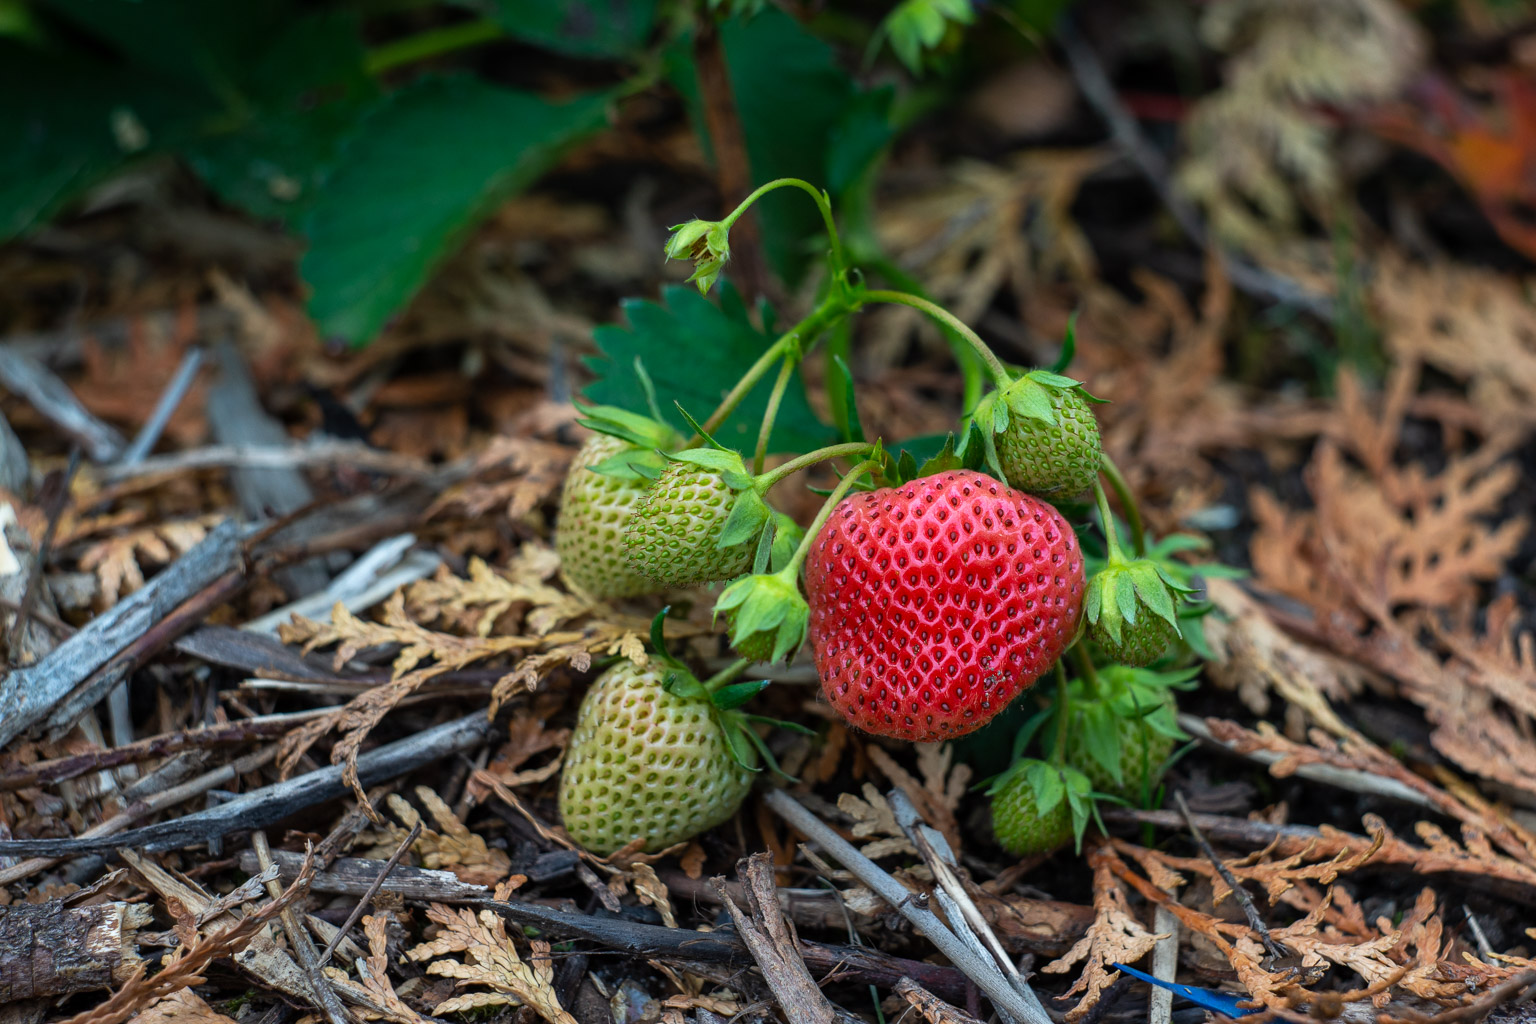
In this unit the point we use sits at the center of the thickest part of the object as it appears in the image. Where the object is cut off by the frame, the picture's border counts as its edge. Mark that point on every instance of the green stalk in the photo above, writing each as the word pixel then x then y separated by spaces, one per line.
pixel 792 570
pixel 994 365
pixel 1063 717
pixel 1128 502
pixel 432 43
pixel 771 413
pixel 822 317
pixel 1110 538
pixel 1090 674
pixel 836 451
pixel 822 204
pixel 726 675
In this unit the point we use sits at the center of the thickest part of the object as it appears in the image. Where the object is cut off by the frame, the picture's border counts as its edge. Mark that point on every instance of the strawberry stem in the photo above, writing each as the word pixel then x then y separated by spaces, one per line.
pixel 1090 674
pixel 1063 717
pixel 836 451
pixel 792 570
pixel 1111 538
pixel 792 344
pixel 1127 502
pixel 995 366
pixel 726 675
pixel 786 371
pixel 823 205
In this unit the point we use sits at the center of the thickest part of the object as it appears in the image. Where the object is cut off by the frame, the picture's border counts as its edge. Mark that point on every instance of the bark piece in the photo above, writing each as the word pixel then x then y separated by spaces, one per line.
pixel 51 949
pixel 767 935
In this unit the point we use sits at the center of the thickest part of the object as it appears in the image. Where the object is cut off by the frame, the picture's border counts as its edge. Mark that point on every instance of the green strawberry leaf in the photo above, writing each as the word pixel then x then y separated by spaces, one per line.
pixel 638 430
pixel 917 26
pixel 1100 736
pixel 721 344
pixel 376 233
pixel 728 698
pixel 1046 781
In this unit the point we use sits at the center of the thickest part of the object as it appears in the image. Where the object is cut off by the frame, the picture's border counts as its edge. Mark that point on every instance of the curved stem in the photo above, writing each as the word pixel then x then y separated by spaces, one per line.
pixel 796 337
pixel 1110 532
pixel 1090 674
pixel 944 316
pixel 792 570
pixel 771 413
pixel 726 675
pixel 799 462
pixel 1127 502
pixel 1063 717
pixel 822 204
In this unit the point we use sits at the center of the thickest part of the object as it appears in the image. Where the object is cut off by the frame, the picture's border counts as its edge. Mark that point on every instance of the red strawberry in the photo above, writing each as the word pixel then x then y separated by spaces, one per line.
pixel 935 603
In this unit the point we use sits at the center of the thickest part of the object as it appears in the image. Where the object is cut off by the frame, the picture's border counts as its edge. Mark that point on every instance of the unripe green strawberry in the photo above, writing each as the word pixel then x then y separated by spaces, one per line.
pixel 589 535
pixel 647 764
pixel 1143 754
pixel 1038 808
pixel 767 614
pixel 1131 608
pixel 674 535
pixel 1140 643
pixel 1056 455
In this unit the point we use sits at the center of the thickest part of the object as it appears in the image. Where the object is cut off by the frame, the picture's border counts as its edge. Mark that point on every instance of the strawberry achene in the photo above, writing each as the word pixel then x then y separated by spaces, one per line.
pixel 935 603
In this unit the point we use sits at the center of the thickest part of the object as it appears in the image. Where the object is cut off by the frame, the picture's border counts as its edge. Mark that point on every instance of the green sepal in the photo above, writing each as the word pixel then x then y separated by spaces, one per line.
pixel 693 425
pixel 947 459
pixel 749 514
pixel 730 697
pixel 1153 591
pixel 787 537
pixel 677 679
pixel 766 603
pixel 641 431
pixel 840 381
pixel 739 740
pixel 639 464
pixel 1099 736
pixel 1068 345
pixel 719 460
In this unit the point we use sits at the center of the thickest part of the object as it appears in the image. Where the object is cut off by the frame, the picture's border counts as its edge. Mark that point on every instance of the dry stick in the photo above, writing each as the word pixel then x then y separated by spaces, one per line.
pixel 986 975
pixel 55 511
pixel 26 377
pixel 931 1006
pixel 964 917
pixel 1100 94
pixel 767 936
pixel 280 456
pixel 1275 950
pixel 104 836
pixel 1165 963
pixel 373 890
pixel 300 942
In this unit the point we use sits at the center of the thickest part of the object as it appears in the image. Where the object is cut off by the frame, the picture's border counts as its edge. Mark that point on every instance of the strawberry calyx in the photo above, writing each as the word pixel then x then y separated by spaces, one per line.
pixel 767 614
pixel 1125 591
pixel 1102 705
pixel 647 437
pixel 707 244
pixel 1051 786
pixel 724 697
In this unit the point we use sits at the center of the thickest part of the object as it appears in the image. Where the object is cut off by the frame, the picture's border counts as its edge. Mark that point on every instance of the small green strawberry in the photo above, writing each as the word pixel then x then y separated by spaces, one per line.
pixel 589 534
pixel 1038 807
pixel 1045 433
pixel 1131 604
pixel 683 532
pixel 657 755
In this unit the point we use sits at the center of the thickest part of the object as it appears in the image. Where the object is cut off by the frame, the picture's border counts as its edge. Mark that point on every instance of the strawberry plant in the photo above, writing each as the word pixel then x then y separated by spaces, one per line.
pixel 932 594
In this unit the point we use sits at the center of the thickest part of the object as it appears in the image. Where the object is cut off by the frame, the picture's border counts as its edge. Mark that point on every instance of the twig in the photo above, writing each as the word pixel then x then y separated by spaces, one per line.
pixel 1123 129
pixel 30 379
pixel 1352 779
pixel 854 965
pixel 28 694
pixel 373 890
pixel 366 582
pixel 985 974
pixel 300 942
pixel 1275 950
pixel 932 1008
pixel 170 399
pixel 964 917
pixel 262 807
pixel 1165 963
pixel 768 939
pixel 55 511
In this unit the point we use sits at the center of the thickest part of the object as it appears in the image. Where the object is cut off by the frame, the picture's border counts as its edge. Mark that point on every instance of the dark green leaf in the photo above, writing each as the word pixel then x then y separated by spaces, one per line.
pixel 424 168
pixel 845 411
pixel 696 351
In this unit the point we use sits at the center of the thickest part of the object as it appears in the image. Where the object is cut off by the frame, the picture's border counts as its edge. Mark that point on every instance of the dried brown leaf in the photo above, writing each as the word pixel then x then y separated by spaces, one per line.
pixel 490 962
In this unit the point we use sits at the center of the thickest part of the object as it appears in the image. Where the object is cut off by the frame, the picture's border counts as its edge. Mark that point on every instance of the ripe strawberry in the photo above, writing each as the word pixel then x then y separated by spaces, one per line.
pixel 1047 436
pixel 1038 807
pixel 646 763
pixel 677 532
pixel 935 603
pixel 590 533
